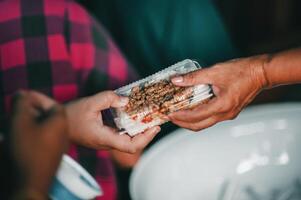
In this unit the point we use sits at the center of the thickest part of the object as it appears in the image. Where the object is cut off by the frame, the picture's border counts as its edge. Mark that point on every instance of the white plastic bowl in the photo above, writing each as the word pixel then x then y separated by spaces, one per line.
pixel 254 157
pixel 73 182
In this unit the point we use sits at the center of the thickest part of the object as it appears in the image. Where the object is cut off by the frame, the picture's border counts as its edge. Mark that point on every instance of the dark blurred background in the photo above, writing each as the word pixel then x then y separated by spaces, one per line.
pixel 154 34
pixel 263 26
pixel 254 26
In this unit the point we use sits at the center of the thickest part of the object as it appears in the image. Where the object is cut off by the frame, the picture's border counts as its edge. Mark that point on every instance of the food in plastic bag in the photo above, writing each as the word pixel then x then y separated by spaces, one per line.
pixel 154 97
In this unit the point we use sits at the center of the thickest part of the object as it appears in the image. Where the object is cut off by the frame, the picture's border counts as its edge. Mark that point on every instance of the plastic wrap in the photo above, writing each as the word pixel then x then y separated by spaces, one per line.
pixel 154 97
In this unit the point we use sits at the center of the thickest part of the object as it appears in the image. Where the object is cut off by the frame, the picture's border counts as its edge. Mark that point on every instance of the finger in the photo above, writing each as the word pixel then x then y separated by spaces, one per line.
pixel 16 98
pixel 132 145
pixel 55 118
pixel 46 108
pixel 32 107
pixel 199 125
pixel 22 108
pixel 27 101
pixel 140 141
pixel 201 76
pixel 41 100
pixel 107 99
pixel 110 138
pixel 199 113
pixel 55 129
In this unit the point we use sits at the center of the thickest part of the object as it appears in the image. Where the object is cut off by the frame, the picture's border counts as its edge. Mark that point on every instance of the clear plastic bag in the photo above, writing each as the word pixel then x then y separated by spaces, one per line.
pixel 152 98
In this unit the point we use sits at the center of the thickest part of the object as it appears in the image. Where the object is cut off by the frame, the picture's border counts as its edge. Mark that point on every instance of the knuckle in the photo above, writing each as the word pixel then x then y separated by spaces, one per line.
pixel 130 147
pixel 236 102
pixel 106 96
pixel 132 150
pixel 220 108
pixel 194 128
pixel 214 120
pixel 109 95
pixel 138 149
pixel 87 103
pixel 227 106
pixel 217 66
pixel 189 78
pixel 234 116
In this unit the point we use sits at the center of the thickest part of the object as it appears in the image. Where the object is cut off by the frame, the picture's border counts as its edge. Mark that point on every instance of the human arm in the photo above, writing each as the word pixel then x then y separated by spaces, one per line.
pixel 235 84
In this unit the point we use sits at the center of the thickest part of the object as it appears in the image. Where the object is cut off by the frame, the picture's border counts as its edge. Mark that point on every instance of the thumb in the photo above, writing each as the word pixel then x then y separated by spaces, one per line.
pixel 201 76
pixel 107 99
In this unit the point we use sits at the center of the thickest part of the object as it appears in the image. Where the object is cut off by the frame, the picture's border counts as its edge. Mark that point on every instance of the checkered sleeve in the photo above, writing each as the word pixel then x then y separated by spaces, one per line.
pixel 98 61
pixel 33 50
pixel 55 47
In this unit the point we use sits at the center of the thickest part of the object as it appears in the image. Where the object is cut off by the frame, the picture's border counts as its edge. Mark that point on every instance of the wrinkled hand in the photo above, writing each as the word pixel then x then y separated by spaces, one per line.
pixel 87 128
pixel 38 140
pixel 235 84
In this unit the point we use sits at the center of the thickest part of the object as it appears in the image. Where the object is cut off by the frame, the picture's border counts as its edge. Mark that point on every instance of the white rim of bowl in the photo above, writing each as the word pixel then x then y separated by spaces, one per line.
pixel 89 190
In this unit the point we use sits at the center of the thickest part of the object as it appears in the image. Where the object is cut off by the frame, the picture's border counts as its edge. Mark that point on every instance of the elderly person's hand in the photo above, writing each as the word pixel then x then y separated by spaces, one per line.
pixel 235 84
pixel 87 128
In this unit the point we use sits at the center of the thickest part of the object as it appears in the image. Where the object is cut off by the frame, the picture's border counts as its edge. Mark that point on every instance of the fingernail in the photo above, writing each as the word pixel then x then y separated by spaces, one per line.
pixel 124 101
pixel 157 129
pixel 178 79
pixel 165 118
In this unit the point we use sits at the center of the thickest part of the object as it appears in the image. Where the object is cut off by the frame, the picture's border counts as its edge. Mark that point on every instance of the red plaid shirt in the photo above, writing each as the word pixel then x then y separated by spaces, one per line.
pixel 55 47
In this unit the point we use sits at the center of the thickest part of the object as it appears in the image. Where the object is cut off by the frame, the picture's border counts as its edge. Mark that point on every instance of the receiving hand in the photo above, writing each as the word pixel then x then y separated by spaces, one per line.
pixel 87 128
pixel 235 84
